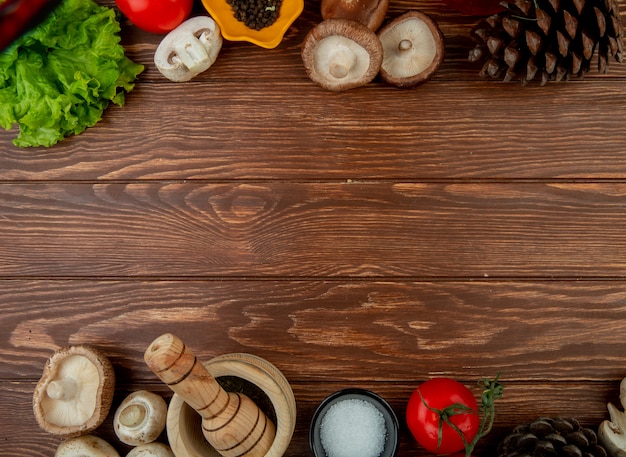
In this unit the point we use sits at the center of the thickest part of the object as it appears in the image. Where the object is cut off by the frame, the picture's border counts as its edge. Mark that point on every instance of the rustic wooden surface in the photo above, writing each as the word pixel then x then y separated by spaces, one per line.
pixel 373 238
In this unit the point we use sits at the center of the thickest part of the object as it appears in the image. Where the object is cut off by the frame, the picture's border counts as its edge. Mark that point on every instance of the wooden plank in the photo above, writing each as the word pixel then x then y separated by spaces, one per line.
pixel 324 331
pixel 256 115
pixel 225 131
pixel 266 229
pixel 373 238
pixel 522 402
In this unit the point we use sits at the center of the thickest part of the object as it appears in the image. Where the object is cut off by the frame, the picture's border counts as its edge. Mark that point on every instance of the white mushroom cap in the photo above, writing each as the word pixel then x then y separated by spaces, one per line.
pixel 151 450
pixel 140 418
pixel 340 54
pixel 413 49
pixel 86 446
pixel 75 391
pixel 189 49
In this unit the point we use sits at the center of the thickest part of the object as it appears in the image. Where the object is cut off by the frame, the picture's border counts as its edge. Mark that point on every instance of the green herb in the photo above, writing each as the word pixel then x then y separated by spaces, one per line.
pixel 57 79
pixel 492 391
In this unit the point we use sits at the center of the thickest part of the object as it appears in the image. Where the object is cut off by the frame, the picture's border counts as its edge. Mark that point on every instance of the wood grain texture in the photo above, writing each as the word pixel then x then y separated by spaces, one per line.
pixel 373 238
pixel 324 331
pixel 157 229
pixel 256 115
pixel 448 130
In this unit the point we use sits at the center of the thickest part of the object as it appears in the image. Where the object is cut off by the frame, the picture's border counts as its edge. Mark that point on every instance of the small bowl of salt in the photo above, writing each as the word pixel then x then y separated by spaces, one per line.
pixel 354 423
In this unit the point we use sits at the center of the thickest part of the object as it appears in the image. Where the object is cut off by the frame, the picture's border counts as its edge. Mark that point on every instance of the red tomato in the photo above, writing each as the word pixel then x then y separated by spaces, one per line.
pixel 424 413
pixel 156 16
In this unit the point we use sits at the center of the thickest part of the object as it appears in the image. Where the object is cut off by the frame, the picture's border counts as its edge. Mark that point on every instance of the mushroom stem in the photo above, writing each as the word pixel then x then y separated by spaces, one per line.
pixel 192 54
pixel 340 61
pixel 404 45
pixel 133 416
pixel 189 49
pixel 63 389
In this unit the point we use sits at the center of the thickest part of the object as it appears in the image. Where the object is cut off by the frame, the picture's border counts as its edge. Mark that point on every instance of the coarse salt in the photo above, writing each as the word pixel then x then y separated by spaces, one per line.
pixel 353 428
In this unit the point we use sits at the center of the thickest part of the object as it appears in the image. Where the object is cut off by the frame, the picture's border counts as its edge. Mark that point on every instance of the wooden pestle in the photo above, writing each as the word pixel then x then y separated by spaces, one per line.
pixel 231 422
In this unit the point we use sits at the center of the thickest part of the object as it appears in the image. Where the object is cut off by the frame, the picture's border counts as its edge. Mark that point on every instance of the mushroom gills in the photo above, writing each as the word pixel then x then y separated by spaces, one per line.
pixel 340 54
pixel 341 58
pixel 71 400
pixel 413 49
pixel 408 49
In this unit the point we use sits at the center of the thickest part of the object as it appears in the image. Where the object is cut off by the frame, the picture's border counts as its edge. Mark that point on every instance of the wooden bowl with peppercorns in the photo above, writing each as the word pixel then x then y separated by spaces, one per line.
pixel 262 22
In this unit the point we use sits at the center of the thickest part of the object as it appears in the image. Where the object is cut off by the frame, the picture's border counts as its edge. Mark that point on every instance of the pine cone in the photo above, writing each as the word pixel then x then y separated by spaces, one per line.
pixel 548 39
pixel 547 437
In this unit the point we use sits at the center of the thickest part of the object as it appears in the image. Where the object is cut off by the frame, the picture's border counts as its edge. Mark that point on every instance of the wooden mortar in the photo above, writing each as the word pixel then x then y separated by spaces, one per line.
pixel 184 429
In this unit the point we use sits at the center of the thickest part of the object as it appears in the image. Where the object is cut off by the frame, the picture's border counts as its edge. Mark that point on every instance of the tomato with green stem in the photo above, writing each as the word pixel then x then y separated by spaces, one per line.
pixel 444 417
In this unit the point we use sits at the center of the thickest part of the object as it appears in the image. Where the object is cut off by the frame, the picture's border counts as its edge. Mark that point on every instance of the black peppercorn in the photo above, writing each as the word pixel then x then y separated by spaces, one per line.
pixel 256 14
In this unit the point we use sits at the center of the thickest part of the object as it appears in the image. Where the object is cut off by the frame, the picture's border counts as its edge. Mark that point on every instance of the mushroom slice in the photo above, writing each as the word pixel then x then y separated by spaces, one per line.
pixel 340 54
pixel 86 446
pixel 140 418
pixel 612 433
pixel 75 392
pixel 368 12
pixel 189 49
pixel 413 49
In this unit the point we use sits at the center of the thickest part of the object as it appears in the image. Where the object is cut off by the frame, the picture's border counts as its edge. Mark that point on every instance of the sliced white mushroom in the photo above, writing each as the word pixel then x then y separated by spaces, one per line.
pixel 340 54
pixel 151 450
pixel 86 446
pixel 612 433
pixel 413 49
pixel 140 418
pixel 75 391
pixel 189 49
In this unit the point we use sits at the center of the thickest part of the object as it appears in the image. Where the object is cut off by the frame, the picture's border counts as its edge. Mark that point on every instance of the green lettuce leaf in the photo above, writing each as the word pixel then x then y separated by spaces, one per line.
pixel 58 78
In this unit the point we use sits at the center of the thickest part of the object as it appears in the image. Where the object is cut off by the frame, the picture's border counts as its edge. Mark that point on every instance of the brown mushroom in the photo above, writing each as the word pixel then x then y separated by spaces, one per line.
pixel 368 12
pixel 75 392
pixel 340 54
pixel 413 49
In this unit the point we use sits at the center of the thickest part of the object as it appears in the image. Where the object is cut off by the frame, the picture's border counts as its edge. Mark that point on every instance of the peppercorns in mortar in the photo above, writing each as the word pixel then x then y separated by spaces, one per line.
pixel 256 14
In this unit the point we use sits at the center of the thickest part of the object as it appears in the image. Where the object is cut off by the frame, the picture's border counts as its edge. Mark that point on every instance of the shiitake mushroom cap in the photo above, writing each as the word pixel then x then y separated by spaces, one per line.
pixel 370 13
pixel 413 49
pixel 75 392
pixel 340 54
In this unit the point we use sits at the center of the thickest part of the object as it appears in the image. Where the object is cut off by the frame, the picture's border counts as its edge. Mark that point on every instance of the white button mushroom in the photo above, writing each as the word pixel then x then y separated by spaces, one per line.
pixel 140 418
pixel 189 49
pixel 86 446
pixel 612 433
pixel 340 54
pixel 151 450
pixel 413 49
pixel 75 391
